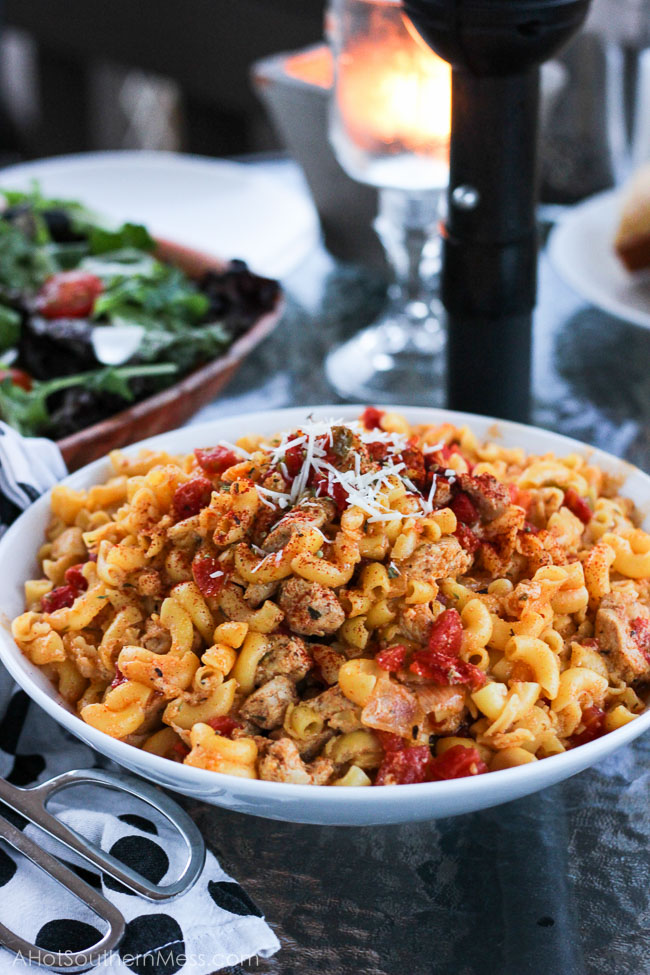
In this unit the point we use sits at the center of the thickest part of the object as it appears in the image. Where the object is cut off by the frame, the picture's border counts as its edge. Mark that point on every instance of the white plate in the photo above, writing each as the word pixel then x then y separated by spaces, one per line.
pixel 304 803
pixel 219 207
pixel 581 248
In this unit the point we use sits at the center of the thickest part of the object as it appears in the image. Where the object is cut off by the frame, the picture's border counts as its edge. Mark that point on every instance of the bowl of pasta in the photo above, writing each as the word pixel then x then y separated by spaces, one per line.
pixel 282 612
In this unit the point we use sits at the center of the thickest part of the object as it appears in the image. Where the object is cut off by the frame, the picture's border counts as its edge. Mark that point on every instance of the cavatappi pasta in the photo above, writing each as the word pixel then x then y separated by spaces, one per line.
pixel 346 604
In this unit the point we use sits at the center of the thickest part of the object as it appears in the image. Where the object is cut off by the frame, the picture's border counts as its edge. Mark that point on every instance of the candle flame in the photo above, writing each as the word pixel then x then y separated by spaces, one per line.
pixel 394 91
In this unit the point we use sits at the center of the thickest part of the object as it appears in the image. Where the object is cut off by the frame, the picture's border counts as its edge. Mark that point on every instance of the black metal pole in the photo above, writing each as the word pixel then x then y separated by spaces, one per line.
pixel 490 251
pixel 490 245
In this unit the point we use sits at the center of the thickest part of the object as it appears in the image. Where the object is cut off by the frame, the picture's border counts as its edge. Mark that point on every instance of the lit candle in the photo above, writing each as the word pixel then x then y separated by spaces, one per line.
pixel 393 98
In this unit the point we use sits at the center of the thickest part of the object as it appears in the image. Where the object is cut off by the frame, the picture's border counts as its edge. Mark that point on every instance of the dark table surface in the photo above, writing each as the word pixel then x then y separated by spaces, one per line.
pixel 554 884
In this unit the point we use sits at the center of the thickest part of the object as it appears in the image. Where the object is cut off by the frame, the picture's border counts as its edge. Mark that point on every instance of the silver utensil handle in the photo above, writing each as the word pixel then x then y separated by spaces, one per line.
pixel 61 961
pixel 32 803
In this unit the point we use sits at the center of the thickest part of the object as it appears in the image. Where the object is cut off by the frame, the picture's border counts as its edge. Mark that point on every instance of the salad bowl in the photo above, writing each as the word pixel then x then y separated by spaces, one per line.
pixel 354 806
pixel 173 406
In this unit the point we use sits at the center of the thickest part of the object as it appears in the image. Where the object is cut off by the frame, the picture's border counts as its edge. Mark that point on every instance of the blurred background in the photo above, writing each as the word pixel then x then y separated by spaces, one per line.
pixel 78 75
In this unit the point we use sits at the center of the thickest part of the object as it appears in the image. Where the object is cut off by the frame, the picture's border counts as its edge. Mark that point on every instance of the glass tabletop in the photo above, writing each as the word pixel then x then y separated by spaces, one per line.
pixel 554 883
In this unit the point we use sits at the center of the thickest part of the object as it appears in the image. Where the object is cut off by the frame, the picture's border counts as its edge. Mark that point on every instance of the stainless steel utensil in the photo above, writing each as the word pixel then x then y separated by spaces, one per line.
pixel 32 804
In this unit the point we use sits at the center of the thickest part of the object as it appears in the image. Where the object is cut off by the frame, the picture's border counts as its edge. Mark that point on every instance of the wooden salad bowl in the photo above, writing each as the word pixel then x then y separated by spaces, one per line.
pixel 172 406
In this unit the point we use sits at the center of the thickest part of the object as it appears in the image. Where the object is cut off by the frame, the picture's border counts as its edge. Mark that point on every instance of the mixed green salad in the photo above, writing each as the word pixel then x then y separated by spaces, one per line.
pixel 90 320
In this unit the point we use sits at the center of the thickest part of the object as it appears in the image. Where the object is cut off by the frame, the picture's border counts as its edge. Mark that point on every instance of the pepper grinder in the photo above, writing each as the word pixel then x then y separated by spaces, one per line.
pixel 489 275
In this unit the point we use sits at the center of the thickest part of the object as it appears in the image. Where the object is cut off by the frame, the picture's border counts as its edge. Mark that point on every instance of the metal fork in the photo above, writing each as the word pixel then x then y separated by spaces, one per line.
pixel 32 804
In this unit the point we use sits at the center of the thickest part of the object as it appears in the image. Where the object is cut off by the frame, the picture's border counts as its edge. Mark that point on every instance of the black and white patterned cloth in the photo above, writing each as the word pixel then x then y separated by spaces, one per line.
pixel 215 925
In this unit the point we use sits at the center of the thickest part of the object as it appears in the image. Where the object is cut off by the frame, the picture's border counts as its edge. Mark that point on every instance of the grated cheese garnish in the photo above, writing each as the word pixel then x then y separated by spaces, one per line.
pixel 361 490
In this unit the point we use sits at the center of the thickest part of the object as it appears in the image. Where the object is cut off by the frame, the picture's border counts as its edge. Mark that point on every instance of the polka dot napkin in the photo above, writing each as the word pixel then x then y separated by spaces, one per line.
pixel 215 925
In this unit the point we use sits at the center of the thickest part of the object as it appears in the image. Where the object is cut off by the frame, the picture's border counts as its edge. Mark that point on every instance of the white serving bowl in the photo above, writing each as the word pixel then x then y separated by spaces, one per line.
pixel 305 803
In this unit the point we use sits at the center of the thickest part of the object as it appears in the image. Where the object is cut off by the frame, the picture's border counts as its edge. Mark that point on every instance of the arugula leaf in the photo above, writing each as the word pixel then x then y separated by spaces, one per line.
pixel 10 322
pixel 111 380
pixel 67 257
pixel 26 410
pixel 187 347
pixel 23 267
pixel 158 295
pixel 35 199
pixel 103 241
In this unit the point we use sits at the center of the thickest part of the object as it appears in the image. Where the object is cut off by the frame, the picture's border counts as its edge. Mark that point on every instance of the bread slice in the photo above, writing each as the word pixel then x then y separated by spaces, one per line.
pixel 632 242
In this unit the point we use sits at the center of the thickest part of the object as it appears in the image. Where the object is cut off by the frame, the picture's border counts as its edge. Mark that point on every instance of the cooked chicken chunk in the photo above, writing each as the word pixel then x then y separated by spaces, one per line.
pixel 621 628
pixel 438 560
pixel 267 705
pixel 310 608
pixel 257 592
pixel 416 621
pixel 315 512
pixel 328 660
pixel 339 713
pixel 288 656
pixel 156 637
pixel 282 763
pixel 489 495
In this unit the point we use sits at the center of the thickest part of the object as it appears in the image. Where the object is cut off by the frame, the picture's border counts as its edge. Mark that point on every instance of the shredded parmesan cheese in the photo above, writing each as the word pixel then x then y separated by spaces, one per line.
pixel 365 491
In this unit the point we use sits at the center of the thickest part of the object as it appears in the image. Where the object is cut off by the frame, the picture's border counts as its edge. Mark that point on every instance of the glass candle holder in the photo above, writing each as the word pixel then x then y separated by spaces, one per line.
pixel 389 127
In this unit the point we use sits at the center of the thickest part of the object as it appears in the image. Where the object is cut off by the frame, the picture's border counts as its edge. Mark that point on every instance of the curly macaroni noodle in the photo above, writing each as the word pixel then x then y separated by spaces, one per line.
pixel 347 604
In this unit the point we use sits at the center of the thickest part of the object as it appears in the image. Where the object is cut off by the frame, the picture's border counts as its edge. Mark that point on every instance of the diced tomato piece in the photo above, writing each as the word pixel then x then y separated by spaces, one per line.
pixel 440 661
pixel 371 418
pixel 415 466
pixel 389 741
pixel 640 628
pixel 191 497
pixel 68 294
pixel 577 505
pixel 593 720
pixel 119 678
pixel 293 459
pixel 392 658
pixel 446 671
pixel 75 577
pixel 467 538
pixel 336 492
pixel 209 575
pixel 18 377
pixel 523 499
pixel 58 598
pixel 447 451
pixel 377 450
pixel 446 634
pixel 464 509
pixel 404 767
pixel 456 763
pixel 180 749
pixel 215 460
pixel 224 725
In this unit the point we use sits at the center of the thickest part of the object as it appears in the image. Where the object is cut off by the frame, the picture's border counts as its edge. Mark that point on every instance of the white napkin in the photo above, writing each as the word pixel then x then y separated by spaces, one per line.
pixel 215 925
